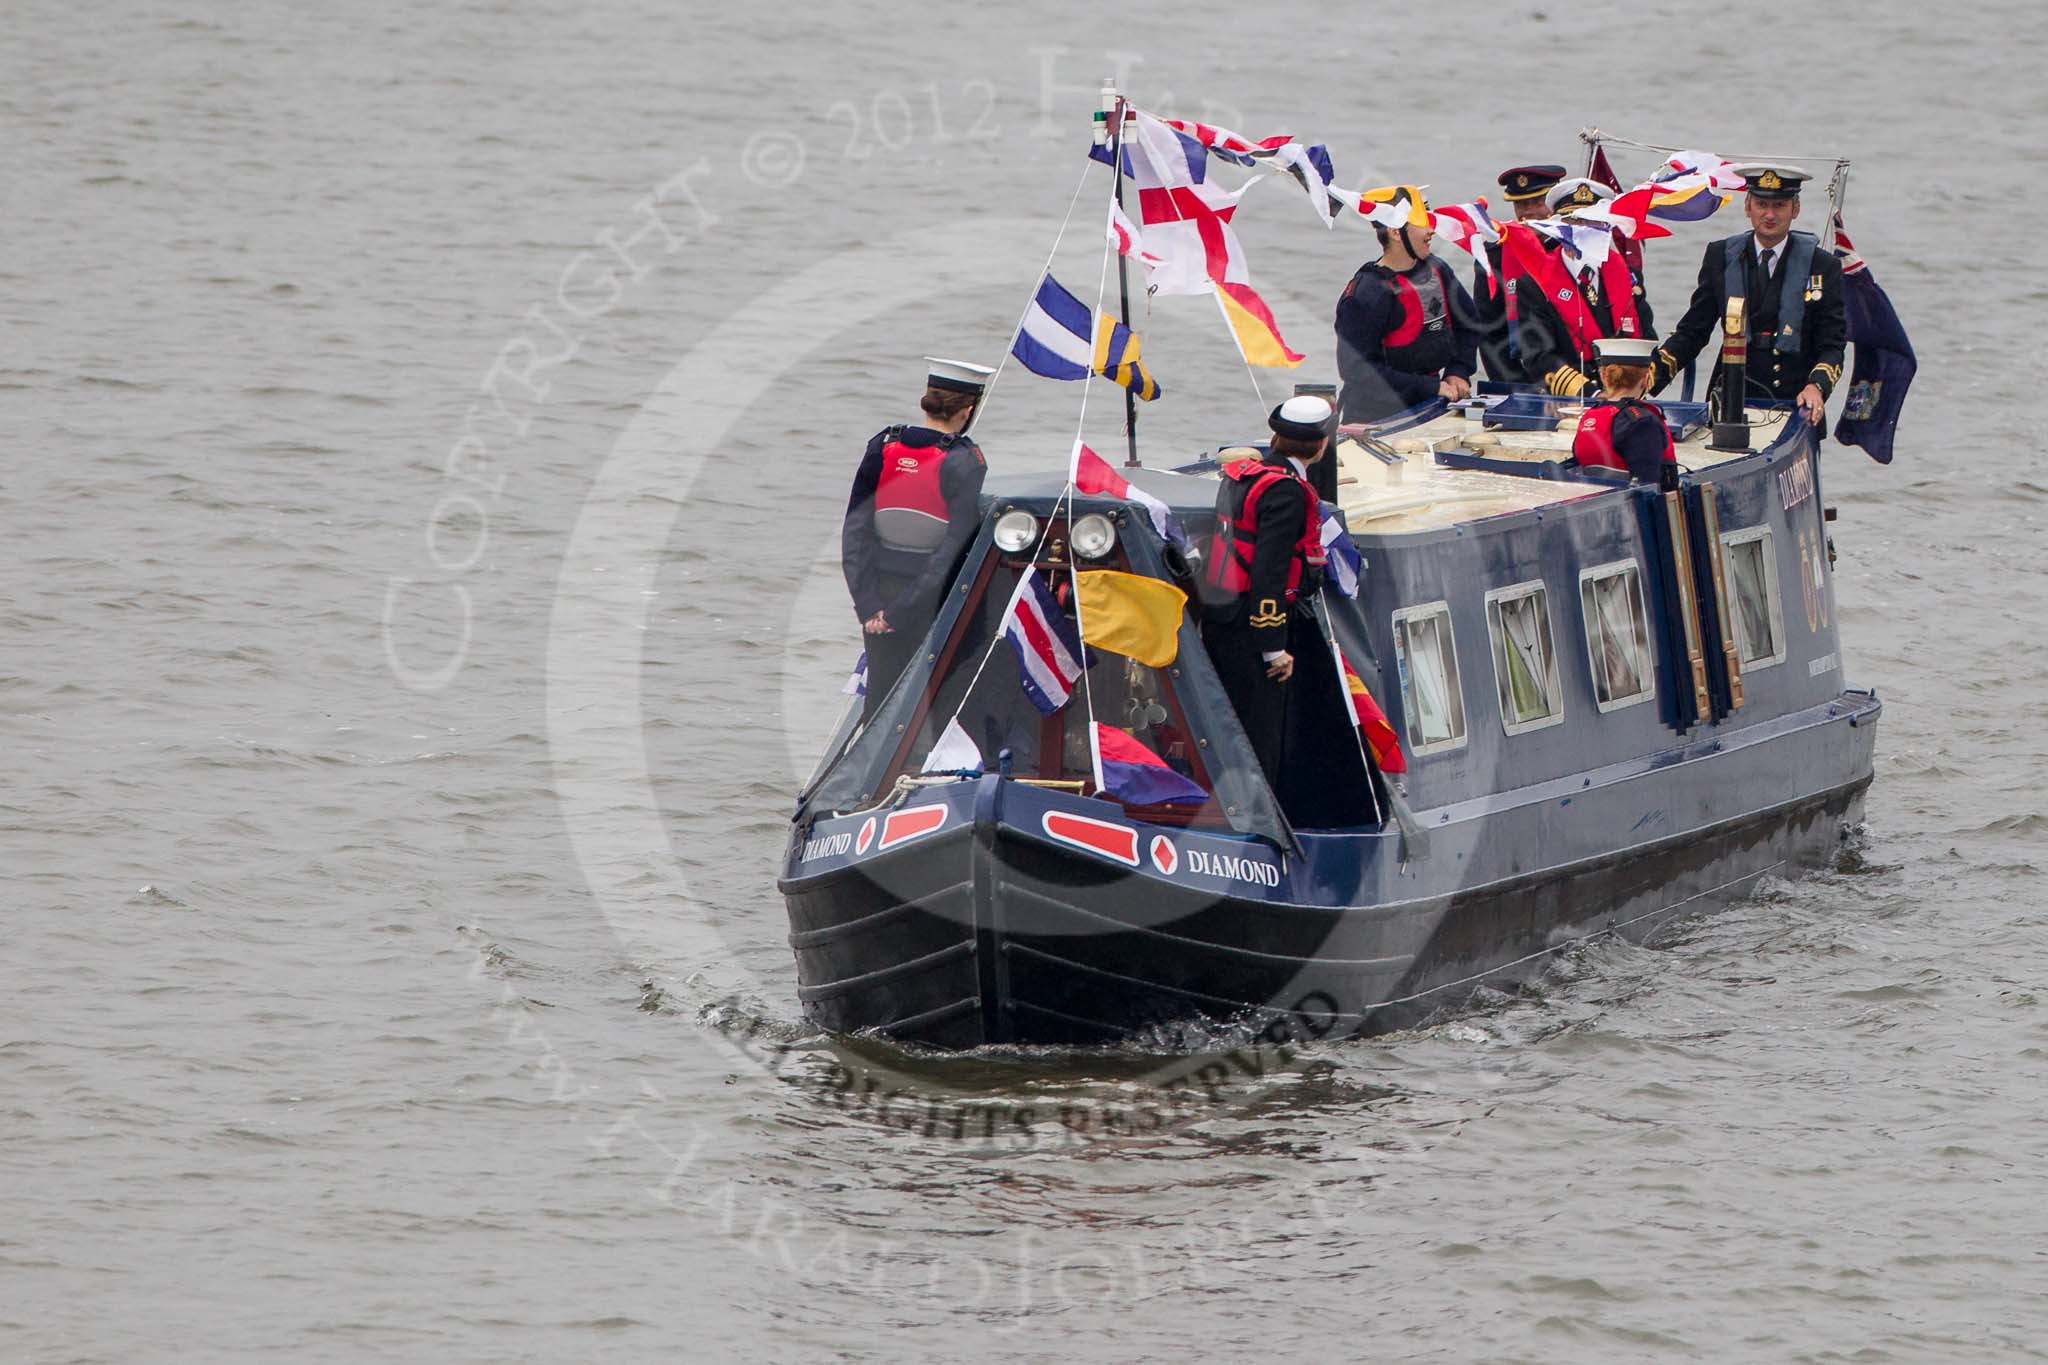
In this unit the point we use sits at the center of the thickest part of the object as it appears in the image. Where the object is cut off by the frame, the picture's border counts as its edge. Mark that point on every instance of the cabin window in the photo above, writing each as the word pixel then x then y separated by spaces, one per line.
pixel 1617 635
pixel 1427 656
pixel 1753 584
pixel 1524 657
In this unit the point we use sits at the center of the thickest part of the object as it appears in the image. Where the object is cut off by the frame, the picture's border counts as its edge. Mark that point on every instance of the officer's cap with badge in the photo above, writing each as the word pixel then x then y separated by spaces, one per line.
pixel 1766 181
pixel 1577 193
pixel 1634 351
pixel 958 375
pixel 1529 182
pixel 1305 416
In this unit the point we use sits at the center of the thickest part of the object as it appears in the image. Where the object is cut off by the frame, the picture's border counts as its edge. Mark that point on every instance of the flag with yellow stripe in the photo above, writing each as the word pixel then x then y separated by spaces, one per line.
pixel 1131 615
pixel 1116 358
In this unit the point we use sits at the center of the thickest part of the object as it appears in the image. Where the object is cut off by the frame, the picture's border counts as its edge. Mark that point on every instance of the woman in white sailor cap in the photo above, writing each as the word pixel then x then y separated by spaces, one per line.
pixel 910 517
pixel 1622 429
pixel 1264 563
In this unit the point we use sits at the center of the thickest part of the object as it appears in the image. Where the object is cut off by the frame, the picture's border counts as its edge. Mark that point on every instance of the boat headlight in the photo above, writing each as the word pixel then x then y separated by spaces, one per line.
pixel 1093 536
pixel 1016 531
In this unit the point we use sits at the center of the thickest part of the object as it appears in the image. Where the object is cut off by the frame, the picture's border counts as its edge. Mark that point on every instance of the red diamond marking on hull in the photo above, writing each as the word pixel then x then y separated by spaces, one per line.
pixel 867 836
pixel 904 825
pixel 1118 843
pixel 1163 856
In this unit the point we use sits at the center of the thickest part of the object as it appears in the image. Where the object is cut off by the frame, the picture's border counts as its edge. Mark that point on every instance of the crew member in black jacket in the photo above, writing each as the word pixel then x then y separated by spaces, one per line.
pixel 1263 568
pixel 912 512
pixel 1524 188
pixel 1405 326
pixel 1792 291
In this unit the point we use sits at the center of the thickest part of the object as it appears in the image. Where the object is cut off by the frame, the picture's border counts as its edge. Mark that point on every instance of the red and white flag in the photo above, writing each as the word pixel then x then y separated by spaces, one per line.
pixel 1470 228
pixel 1125 237
pixel 1046 643
pixel 1092 474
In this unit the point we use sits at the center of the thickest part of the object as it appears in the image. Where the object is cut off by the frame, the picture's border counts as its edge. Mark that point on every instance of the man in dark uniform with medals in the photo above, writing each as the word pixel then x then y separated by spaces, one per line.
pixel 1567 308
pixel 1524 188
pixel 913 510
pixel 1405 329
pixel 1792 295
pixel 1264 565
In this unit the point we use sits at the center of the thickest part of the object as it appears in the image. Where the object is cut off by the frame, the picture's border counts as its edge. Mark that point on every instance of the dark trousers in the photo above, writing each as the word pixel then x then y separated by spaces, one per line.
pixel 1260 701
pixel 888 656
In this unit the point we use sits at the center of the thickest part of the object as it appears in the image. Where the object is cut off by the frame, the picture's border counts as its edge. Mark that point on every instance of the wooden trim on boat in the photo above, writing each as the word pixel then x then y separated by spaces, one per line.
pixel 1731 653
pixel 1688 603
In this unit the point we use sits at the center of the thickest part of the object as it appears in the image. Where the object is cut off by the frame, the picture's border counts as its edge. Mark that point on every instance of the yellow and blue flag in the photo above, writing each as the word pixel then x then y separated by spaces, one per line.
pixel 1062 338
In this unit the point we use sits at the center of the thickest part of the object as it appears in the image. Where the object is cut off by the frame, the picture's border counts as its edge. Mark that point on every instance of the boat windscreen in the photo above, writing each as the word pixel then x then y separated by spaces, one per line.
pixel 968 673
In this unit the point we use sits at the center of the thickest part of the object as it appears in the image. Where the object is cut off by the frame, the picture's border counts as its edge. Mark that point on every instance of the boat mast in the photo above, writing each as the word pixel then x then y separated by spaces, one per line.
pixel 1113 105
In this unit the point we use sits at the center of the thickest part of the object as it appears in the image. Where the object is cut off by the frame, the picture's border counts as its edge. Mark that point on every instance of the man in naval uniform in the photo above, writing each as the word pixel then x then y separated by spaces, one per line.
pixel 1523 187
pixel 1565 313
pixel 1793 298
pixel 910 517
pixel 1264 567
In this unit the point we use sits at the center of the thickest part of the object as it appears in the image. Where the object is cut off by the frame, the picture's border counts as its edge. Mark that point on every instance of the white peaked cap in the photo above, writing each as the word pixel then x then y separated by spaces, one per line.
pixel 1569 189
pixel 1624 350
pixel 1309 409
pixel 1304 415
pixel 960 375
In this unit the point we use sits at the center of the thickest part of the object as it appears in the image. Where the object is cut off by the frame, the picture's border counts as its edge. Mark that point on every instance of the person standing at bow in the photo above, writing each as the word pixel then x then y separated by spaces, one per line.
pixel 1405 326
pixel 1263 565
pixel 913 510
pixel 1621 429
pixel 1794 316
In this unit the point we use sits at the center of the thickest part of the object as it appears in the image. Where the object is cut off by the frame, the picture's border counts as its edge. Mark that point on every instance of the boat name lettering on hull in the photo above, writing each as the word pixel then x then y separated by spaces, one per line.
pixel 827 846
pixel 1233 867
pixel 1795 483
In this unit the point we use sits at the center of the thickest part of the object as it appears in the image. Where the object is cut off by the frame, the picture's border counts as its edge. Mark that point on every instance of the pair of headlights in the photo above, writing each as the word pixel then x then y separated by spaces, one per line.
pixel 1092 537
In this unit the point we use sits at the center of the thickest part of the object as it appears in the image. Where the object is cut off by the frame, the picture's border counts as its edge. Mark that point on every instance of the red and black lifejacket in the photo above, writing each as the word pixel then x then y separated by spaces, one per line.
pixel 910 506
pixel 1228 570
pixel 1526 258
pixel 1422 339
pixel 1594 443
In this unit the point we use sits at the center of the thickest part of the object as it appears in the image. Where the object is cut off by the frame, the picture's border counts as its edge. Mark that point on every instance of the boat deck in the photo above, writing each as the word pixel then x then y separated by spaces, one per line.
pixel 1415 493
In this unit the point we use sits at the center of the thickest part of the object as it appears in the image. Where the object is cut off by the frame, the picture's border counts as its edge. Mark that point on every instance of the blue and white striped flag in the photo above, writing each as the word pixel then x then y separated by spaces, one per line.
pixel 1343 563
pixel 1047 644
pixel 1062 338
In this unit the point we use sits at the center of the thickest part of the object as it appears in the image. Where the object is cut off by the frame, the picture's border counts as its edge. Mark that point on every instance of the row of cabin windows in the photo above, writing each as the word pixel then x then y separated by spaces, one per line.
pixel 1525 657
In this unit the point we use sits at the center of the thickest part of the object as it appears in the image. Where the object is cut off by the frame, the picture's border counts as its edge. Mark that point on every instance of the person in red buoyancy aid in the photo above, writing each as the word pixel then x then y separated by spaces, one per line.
pixel 1565 306
pixel 1622 429
pixel 1263 564
pixel 1407 332
pixel 910 517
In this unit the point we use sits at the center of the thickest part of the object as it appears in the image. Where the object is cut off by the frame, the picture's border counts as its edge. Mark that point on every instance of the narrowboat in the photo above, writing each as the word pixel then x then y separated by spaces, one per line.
pixel 1615 705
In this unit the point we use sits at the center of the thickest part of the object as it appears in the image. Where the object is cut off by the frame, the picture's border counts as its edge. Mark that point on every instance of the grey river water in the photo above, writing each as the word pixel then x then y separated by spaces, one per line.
pixel 425 429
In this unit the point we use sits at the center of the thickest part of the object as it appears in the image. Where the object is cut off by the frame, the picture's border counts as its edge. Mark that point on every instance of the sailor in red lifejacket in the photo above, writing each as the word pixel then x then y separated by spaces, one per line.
pixel 1263 564
pixel 1407 331
pixel 1622 429
pixel 1563 307
pixel 912 512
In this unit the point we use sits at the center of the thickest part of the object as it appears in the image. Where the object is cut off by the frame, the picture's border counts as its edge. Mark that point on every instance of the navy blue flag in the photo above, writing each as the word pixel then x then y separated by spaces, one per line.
pixel 1884 364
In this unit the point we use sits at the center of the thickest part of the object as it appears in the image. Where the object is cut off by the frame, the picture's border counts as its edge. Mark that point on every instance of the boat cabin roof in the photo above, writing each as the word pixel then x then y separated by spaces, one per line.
pixel 1381 495
pixel 1391 482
